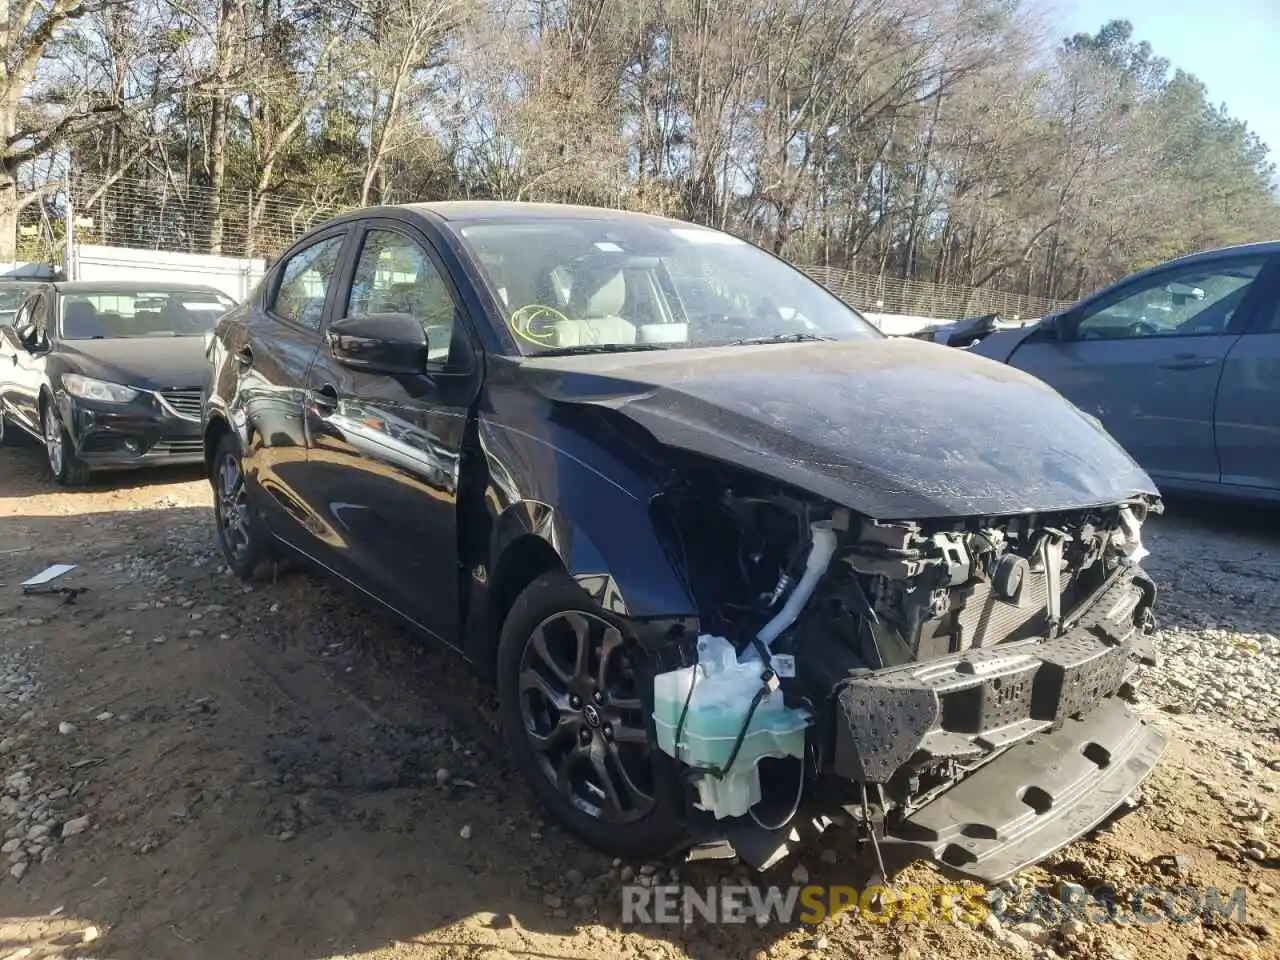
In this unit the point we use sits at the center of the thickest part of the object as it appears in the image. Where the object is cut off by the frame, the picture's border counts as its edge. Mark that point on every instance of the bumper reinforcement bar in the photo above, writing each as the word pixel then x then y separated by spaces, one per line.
pixel 974 703
pixel 1037 796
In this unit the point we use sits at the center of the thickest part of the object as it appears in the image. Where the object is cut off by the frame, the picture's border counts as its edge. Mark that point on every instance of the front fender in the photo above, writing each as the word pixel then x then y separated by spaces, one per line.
pixel 593 512
pixel 1002 344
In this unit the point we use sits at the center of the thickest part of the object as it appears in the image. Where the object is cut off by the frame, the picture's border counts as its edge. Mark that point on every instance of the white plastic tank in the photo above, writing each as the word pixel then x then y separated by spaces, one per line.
pixel 723 688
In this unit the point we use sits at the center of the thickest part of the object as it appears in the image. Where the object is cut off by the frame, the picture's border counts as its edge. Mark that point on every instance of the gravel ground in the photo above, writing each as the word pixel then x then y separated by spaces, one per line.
pixel 1220 604
pixel 194 768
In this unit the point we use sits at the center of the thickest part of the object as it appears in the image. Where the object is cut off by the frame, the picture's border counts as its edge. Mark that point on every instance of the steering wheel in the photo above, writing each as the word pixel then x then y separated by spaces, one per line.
pixel 1141 328
pixel 719 326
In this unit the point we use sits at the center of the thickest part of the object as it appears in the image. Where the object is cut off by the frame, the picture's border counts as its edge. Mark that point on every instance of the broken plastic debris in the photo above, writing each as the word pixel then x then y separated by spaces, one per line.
pixel 48 574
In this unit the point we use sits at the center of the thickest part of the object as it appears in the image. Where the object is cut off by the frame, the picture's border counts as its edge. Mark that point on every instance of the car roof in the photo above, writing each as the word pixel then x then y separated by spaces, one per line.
pixel 127 286
pixel 1264 248
pixel 462 211
pixel 31 273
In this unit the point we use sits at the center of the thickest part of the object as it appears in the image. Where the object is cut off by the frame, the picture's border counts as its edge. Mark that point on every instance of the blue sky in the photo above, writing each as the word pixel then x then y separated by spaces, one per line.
pixel 1232 45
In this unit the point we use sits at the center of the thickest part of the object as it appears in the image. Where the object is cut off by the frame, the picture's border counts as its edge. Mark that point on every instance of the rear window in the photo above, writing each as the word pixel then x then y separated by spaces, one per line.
pixel 118 314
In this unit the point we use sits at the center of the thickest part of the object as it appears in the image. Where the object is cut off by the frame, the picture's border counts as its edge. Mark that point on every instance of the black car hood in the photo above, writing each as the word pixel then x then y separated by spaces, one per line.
pixel 892 428
pixel 154 363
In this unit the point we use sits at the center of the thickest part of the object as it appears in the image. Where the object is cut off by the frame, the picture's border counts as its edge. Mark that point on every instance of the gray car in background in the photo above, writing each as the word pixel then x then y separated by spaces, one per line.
pixel 1180 363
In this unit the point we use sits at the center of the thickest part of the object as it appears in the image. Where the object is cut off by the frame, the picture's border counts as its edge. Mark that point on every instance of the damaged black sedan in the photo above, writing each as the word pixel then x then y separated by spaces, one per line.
pixel 741 568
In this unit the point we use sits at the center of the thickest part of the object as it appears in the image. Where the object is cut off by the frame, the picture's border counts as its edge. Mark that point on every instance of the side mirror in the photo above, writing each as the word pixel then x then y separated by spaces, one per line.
pixel 28 336
pixel 380 343
pixel 1057 326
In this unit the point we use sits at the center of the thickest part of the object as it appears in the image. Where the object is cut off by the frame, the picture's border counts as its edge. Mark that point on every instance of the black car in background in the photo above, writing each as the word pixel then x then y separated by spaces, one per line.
pixel 107 375
pixel 13 294
pixel 16 286
pixel 738 564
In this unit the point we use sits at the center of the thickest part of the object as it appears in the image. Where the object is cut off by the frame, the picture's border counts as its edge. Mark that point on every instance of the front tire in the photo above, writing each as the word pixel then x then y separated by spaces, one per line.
pixel 573 721
pixel 60 452
pixel 244 542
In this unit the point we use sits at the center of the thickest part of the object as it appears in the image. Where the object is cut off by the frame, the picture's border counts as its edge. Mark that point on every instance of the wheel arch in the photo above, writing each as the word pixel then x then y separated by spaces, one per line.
pixel 531 538
pixel 526 558
pixel 214 431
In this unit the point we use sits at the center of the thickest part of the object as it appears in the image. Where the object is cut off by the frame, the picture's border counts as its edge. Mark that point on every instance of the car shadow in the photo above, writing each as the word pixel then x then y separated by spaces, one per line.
pixel 261 768
pixel 27 474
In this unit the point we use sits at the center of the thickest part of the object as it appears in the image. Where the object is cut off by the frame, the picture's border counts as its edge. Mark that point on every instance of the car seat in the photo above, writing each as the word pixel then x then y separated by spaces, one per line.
pixel 80 321
pixel 149 321
pixel 597 316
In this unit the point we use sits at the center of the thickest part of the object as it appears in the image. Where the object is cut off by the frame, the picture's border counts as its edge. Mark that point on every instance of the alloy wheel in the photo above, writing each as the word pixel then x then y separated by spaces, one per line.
pixel 53 444
pixel 233 507
pixel 584 718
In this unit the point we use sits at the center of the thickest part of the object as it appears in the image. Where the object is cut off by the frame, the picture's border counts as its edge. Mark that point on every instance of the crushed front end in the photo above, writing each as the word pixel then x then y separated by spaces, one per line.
pixel 962 685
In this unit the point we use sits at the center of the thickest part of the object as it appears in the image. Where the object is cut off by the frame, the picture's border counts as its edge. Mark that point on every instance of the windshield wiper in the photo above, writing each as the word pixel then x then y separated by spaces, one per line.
pixel 600 348
pixel 780 338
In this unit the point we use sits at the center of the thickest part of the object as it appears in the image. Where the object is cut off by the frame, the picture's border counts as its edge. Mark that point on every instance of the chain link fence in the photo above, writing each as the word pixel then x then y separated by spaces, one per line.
pixel 163 213
pixel 169 215
pixel 917 298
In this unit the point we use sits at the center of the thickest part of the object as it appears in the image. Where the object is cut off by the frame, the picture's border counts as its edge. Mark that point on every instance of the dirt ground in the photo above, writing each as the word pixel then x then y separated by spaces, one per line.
pixel 260 770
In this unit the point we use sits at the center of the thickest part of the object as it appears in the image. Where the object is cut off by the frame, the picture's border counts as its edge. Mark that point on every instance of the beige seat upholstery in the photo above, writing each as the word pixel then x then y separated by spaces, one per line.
pixel 598 319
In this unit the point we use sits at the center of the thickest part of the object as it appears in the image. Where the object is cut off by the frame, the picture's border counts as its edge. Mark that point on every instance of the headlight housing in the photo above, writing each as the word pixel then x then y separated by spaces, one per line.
pixel 103 391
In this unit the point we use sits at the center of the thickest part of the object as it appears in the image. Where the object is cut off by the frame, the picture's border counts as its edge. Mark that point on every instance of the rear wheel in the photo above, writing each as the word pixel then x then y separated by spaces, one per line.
pixel 60 452
pixel 244 542
pixel 573 721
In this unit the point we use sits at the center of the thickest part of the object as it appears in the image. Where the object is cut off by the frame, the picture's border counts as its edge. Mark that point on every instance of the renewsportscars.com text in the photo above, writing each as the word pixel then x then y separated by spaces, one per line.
pixel 677 904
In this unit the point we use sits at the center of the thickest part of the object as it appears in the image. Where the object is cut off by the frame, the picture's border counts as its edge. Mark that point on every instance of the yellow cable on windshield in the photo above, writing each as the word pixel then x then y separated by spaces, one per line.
pixel 533 321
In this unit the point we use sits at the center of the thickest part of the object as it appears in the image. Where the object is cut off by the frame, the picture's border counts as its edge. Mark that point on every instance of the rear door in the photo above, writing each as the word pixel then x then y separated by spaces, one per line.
pixel 384 451
pixel 279 342
pixel 1247 414
pixel 1146 358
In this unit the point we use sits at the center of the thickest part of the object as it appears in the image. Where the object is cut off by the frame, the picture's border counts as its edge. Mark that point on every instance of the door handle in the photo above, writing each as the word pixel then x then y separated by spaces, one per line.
pixel 1186 361
pixel 244 356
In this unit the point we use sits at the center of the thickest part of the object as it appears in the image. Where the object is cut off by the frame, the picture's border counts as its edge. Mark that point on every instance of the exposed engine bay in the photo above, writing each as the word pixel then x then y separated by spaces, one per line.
pixel 875 665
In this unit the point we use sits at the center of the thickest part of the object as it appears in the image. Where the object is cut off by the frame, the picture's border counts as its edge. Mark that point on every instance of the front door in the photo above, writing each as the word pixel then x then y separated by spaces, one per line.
pixel 1146 360
pixel 1247 415
pixel 25 367
pixel 383 451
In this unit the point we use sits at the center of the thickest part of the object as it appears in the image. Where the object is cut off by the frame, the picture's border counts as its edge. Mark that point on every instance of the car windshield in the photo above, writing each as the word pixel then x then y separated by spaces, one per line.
pixel 570 285
pixel 115 314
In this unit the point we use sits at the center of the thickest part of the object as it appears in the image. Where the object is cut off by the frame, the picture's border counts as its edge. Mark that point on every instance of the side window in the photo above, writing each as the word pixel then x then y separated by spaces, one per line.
pixel 304 283
pixel 1201 299
pixel 1271 313
pixel 395 275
